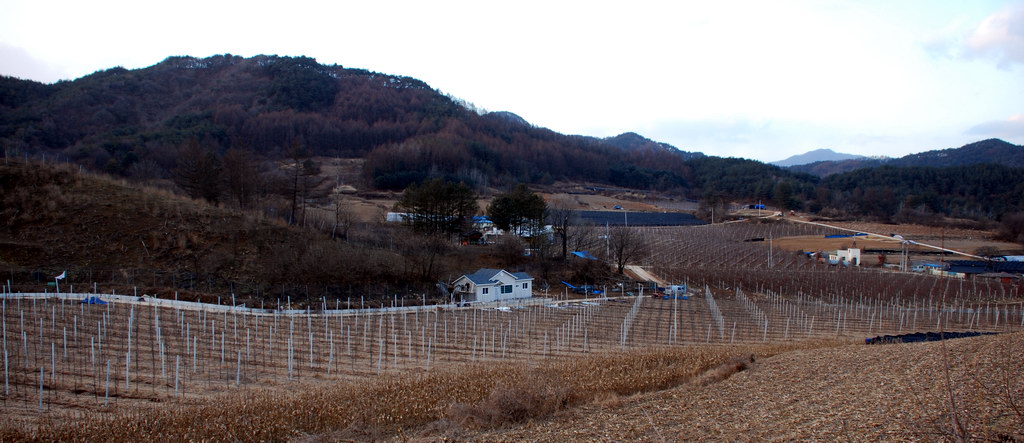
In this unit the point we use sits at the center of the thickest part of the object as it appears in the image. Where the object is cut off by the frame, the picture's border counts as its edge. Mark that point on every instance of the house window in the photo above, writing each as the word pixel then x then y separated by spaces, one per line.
pixel 506 289
pixel 526 285
pixel 484 290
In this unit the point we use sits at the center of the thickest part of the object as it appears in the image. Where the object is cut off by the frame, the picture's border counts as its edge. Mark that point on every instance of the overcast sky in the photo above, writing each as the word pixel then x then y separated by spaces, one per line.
pixel 754 79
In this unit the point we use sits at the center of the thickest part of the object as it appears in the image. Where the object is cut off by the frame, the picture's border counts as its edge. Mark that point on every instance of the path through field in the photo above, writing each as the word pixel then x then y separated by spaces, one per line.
pixel 641 274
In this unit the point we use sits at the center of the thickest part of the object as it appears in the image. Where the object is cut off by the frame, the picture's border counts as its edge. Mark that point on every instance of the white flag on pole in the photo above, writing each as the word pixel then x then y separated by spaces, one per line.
pixel 61 276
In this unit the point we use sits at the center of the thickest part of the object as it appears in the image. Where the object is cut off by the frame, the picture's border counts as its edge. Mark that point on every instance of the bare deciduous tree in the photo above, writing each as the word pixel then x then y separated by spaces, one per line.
pixel 199 172
pixel 241 176
pixel 563 220
pixel 625 245
pixel 509 250
pixel 343 217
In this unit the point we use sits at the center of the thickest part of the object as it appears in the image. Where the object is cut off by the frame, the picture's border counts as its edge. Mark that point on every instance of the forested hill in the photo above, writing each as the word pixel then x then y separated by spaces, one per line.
pixel 991 151
pixel 138 123
pixel 117 119
pixel 632 141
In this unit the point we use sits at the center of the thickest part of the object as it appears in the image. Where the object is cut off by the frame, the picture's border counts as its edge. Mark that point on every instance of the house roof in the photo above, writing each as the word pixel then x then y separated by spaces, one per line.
pixel 967 269
pixel 1015 267
pixel 485 276
pixel 482 276
pixel 980 267
pixel 522 276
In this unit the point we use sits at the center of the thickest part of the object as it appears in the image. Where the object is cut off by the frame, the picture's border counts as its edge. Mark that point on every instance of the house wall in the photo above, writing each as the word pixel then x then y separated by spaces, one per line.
pixel 849 255
pixel 491 295
pixel 504 280
pixel 518 291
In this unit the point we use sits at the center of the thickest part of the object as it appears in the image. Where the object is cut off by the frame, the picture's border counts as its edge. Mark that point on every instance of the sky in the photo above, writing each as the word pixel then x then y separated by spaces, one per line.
pixel 753 79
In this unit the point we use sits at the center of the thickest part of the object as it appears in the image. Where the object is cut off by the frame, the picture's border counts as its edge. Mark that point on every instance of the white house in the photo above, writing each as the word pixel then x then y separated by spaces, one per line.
pixel 487 285
pixel 846 256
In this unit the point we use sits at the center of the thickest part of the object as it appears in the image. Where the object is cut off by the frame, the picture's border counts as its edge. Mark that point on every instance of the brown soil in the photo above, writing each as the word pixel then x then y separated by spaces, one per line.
pixel 915 231
pixel 854 393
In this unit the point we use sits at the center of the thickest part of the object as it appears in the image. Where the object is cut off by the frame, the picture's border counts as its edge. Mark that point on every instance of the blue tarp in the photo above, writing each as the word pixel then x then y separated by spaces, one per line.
pixel 584 254
pixel 94 300
pixel 585 289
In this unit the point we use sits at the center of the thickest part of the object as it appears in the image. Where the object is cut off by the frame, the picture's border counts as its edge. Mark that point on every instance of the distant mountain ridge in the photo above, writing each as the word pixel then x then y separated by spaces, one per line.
pixel 991 151
pixel 256 113
pixel 137 123
pixel 631 141
pixel 817 155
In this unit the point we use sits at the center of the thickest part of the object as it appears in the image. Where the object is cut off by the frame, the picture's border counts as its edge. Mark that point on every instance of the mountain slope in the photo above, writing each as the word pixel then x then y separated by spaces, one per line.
pixel 631 141
pixel 991 151
pixel 115 119
pixel 141 123
pixel 817 155
pixel 137 122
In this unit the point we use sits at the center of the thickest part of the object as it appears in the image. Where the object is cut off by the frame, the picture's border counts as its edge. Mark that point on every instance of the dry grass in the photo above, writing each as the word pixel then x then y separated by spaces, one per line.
pixel 845 393
pixel 481 395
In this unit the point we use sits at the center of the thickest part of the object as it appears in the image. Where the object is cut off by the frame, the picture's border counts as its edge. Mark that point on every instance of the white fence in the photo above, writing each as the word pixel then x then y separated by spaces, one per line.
pixel 147 300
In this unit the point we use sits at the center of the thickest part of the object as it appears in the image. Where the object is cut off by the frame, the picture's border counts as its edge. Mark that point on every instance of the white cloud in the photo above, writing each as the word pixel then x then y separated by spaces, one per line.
pixel 1000 36
pixel 1012 127
pixel 17 62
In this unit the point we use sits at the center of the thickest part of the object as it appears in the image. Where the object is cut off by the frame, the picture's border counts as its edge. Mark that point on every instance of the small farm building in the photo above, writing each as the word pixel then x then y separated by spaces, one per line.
pixel 488 285
pixel 846 257
pixel 488 231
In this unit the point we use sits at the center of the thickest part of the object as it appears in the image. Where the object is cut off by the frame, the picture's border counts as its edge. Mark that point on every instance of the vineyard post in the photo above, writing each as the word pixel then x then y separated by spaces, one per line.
pixel 380 356
pixel 177 378
pixel 106 392
pixel 7 385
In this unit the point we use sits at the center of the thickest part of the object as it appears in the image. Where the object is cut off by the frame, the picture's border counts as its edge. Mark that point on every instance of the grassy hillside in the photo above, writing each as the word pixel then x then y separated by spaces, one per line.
pixel 108 231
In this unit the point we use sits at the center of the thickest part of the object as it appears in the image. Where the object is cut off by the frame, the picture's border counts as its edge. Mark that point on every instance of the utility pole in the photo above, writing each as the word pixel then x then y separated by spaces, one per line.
pixel 607 241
